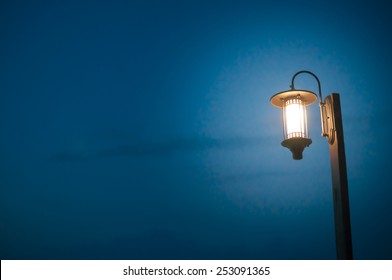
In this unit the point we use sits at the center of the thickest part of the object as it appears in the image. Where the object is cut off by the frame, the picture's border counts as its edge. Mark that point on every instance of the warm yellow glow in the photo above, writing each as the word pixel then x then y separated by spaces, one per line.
pixel 295 125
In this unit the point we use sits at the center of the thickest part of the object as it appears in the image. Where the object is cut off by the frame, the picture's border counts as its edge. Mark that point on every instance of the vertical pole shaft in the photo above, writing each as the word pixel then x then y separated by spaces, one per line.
pixel 340 185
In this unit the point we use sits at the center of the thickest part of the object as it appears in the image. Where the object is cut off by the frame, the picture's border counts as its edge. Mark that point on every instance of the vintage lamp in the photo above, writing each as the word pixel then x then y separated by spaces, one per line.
pixel 293 103
pixel 295 128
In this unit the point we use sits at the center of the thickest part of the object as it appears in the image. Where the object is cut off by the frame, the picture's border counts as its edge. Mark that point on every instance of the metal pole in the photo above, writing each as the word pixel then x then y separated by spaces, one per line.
pixel 339 184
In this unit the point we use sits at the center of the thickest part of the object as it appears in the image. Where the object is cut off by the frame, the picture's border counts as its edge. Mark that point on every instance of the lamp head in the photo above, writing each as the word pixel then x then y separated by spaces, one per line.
pixel 295 130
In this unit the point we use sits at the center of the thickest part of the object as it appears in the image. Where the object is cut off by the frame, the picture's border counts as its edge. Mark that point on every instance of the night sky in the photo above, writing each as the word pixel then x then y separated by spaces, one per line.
pixel 143 129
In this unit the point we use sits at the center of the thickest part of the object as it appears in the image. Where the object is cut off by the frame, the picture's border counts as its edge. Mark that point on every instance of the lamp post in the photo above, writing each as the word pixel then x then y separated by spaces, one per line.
pixel 293 103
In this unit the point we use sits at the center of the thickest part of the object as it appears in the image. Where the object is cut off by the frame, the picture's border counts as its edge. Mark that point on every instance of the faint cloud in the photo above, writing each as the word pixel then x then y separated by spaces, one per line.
pixel 68 156
pixel 159 148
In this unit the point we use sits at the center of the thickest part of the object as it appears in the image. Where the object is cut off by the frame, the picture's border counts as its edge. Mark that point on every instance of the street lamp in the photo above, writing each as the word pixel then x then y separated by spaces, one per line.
pixel 293 103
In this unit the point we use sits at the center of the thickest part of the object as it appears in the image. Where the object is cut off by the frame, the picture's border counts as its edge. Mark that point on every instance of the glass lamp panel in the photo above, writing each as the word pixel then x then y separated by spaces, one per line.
pixel 294 119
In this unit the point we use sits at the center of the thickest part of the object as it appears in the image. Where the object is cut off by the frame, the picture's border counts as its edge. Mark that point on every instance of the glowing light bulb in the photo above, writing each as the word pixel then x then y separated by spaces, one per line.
pixel 295 118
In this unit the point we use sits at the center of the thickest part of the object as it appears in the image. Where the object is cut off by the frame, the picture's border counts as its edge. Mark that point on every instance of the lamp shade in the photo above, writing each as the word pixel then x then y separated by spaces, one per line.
pixel 295 128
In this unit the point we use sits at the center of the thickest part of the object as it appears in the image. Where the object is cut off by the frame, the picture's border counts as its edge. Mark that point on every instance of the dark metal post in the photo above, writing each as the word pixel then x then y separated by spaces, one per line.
pixel 339 184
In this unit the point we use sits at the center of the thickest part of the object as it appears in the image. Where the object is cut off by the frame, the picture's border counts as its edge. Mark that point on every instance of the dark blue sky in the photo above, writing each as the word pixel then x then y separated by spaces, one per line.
pixel 143 129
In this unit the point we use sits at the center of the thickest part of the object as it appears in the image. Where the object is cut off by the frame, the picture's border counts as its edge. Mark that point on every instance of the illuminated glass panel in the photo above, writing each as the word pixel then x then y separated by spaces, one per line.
pixel 294 114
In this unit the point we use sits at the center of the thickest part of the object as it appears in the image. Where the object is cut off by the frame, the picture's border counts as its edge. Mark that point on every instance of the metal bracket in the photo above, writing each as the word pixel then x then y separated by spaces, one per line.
pixel 327 120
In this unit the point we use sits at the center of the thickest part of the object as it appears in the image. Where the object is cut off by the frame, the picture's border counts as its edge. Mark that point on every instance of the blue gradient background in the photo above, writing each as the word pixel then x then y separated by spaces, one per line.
pixel 143 129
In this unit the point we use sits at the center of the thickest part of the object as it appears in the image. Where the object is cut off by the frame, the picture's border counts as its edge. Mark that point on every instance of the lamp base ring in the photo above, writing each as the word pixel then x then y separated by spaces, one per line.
pixel 297 145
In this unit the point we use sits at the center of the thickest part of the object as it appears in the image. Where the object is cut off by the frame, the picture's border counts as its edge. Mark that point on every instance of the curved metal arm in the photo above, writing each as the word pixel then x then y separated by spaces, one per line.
pixel 310 73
